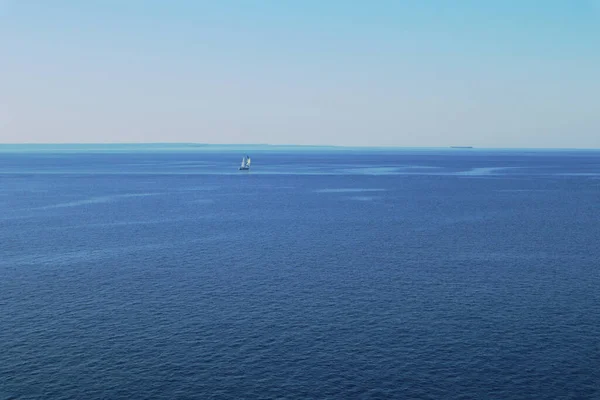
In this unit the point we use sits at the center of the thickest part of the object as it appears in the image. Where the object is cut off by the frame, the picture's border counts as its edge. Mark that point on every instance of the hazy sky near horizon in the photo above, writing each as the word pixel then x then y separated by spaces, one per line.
pixel 497 73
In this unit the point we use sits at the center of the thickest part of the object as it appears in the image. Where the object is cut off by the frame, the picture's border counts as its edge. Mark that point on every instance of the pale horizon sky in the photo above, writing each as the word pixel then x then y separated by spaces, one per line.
pixel 385 73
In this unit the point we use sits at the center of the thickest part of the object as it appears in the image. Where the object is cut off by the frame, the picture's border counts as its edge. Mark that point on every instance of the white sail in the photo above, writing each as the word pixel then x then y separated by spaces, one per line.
pixel 245 161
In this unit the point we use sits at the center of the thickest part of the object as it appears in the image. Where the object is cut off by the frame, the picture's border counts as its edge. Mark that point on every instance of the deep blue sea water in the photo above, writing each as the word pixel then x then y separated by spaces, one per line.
pixel 164 273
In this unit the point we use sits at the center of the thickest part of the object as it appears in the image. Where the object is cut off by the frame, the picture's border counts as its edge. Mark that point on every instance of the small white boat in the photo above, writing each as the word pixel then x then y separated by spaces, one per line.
pixel 245 164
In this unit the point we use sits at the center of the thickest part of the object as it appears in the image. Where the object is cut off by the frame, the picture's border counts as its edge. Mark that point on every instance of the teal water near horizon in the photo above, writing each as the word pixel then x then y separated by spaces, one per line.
pixel 163 273
pixel 241 147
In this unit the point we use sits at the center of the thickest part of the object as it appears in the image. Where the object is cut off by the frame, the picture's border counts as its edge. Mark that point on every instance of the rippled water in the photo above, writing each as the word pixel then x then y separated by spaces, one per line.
pixel 168 274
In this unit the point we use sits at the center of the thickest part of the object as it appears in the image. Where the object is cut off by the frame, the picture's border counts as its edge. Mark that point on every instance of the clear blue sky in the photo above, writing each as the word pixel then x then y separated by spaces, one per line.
pixel 495 73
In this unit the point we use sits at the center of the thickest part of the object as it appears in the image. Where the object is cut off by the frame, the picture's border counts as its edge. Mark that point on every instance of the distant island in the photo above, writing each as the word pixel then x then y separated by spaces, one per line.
pixel 461 147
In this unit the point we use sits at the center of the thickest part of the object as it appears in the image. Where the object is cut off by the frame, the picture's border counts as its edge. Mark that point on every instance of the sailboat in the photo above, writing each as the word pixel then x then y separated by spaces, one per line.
pixel 245 164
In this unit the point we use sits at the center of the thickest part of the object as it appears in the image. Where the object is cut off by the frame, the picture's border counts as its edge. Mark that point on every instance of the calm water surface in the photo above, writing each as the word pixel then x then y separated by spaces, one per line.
pixel 429 274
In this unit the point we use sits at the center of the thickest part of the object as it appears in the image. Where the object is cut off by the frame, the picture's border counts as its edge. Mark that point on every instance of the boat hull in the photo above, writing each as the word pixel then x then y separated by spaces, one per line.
pixel 244 168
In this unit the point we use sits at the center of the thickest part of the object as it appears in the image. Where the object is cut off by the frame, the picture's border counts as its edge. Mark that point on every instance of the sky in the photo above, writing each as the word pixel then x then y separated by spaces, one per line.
pixel 494 73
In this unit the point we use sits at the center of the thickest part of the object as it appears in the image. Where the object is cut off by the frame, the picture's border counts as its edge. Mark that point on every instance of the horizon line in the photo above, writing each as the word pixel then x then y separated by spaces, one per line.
pixel 453 147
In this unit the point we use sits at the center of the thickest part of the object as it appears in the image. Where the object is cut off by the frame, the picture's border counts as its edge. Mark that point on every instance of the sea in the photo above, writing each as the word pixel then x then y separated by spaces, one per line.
pixel 163 272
